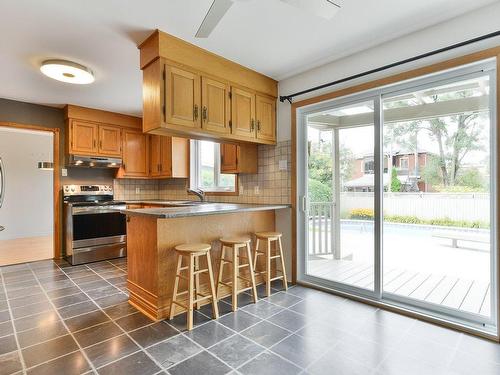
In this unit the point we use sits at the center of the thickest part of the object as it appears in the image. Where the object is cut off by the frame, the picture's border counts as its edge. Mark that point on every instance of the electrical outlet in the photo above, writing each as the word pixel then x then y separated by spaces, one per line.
pixel 283 165
pixel 138 190
pixel 256 190
pixel 64 172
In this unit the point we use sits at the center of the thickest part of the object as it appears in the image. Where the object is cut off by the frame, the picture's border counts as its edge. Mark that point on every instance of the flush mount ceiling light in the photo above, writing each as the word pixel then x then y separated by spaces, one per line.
pixel 67 71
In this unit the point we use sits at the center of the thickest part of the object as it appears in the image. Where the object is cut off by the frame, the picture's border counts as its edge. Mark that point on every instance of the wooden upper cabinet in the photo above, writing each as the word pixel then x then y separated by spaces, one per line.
pixel 265 114
pixel 169 157
pixel 242 112
pixel 242 158
pixel 155 155
pixel 135 154
pixel 183 98
pixel 216 111
pixel 110 140
pixel 83 138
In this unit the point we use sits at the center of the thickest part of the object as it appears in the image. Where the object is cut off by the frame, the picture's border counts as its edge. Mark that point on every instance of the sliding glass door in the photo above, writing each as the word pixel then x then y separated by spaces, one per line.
pixel 340 153
pixel 397 193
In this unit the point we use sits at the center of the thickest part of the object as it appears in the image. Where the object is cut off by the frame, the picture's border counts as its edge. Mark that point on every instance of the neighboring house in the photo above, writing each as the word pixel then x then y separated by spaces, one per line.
pixel 362 178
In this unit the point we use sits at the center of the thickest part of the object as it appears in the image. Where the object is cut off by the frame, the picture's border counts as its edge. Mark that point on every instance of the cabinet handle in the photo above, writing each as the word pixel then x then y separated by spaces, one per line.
pixel 94 143
pixel 195 111
pixel 204 114
pixel 258 125
pixel 252 125
pixel 100 144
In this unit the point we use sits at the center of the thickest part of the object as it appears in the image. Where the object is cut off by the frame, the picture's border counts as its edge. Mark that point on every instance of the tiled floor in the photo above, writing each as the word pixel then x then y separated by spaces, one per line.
pixel 58 319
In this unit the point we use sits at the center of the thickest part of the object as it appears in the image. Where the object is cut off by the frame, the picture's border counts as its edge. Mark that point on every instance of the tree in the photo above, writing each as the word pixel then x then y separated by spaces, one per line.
pixel 395 183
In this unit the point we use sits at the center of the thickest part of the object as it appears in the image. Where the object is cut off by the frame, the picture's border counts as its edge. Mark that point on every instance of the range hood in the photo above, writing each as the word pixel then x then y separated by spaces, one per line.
pixel 93 162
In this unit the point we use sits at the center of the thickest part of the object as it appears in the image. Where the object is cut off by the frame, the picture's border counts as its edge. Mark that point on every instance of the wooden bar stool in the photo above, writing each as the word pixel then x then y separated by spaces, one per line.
pixel 193 252
pixel 270 237
pixel 235 244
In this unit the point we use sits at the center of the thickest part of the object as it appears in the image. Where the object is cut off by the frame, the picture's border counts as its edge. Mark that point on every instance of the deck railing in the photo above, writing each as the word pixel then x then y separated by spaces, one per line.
pixel 321 228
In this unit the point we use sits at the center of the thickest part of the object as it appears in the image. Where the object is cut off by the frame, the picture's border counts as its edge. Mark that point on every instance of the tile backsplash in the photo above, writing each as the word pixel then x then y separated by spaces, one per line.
pixel 271 184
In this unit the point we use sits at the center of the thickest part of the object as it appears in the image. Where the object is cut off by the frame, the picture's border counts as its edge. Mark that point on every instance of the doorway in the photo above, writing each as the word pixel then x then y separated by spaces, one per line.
pixel 28 206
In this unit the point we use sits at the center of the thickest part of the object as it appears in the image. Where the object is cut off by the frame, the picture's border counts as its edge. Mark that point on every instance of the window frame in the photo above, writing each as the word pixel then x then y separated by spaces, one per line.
pixel 195 171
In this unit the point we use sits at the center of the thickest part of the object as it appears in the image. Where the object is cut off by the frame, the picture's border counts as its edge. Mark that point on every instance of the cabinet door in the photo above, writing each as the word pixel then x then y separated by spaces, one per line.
pixel 229 158
pixel 110 140
pixel 135 154
pixel 215 106
pixel 266 118
pixel 182 98
pixel 155 155
pixel 83 138
pixel 178 158
pixel 243 113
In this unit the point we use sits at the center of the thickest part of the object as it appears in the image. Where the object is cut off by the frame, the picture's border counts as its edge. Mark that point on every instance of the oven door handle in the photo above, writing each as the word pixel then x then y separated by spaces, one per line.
pixel 86 211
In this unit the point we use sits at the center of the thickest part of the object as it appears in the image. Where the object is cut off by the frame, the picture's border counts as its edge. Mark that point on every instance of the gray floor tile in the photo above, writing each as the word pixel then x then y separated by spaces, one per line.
pixel 173 350
pixel 269 364
pixel 58 293
pixel 425 350
pixel 77 309
pixel 482 349
pixel 102 292
pixel 239 320
pixel 35 308
pixel 6 328
pixel 96 334
pixel 138 363
pixel 265 333
pixel 283 299
pixel 74 363
pixel 120 310
pixel 69 300
pixel 111 300
pixel 262 309
pixel 236 350
pixel 37 320
pixel 110 350
pixel 299 350
pixel 153 334
pixel 289 320
pixel 335 363
pixel 180 321
pixel 46 332
pixel 202 363
pixel 10 363
pixel 48 350
pixel 397 363
pixel 7 344
pixel 28 300
pixel 134 321
pixel 86 320
pixel 209 334
pixel 469 363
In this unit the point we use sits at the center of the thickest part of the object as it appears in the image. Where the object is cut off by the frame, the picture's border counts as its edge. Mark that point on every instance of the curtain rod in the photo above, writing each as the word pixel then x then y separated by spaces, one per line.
pixel 385 67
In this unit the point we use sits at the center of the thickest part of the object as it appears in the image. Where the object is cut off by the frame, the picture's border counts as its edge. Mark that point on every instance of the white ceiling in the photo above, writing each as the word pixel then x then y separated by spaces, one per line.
pixel 266 35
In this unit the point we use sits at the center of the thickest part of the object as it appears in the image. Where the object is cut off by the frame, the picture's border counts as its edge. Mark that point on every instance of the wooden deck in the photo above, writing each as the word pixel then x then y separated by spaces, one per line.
pixel 467 295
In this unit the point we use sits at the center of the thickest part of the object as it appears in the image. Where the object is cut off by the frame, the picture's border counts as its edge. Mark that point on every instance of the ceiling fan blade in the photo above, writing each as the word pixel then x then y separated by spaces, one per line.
pixel 213 16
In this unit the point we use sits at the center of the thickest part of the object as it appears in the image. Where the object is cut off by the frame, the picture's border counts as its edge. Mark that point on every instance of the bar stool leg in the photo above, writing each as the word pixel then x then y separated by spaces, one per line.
pixel 234 288
pixel 221 269
pixel 215 305
pixel 197 280
pixel 252 276
pixel 176 287
pixel 285 283
pixel 190 292
pixel 257 242
pixel 268 268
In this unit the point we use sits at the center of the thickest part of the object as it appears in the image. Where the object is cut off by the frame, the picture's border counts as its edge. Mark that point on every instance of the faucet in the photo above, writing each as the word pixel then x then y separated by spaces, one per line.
pixel 199 193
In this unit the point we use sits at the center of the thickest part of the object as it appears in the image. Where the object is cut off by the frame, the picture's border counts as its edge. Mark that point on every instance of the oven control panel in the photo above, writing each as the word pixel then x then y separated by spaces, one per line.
pixel 87 190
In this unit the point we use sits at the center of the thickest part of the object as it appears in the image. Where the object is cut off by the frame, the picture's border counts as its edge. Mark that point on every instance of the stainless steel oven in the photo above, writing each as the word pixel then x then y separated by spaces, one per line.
pixel 94 228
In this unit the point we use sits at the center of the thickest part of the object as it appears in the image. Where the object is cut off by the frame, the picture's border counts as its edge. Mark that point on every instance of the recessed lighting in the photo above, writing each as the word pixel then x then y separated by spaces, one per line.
pixel 67 71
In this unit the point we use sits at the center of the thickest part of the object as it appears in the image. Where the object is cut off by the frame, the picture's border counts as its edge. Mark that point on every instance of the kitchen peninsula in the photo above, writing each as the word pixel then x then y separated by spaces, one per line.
pixel 153 232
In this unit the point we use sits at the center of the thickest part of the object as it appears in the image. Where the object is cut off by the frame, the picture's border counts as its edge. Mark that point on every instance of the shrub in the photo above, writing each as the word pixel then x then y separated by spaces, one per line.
pixel 362 214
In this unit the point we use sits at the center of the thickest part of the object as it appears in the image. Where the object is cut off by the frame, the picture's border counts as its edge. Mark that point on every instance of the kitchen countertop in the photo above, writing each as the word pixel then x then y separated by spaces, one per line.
pixel 198 209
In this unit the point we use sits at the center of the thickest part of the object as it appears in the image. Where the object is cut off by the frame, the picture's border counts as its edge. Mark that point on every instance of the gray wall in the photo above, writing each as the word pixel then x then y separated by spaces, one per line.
pixel 35 114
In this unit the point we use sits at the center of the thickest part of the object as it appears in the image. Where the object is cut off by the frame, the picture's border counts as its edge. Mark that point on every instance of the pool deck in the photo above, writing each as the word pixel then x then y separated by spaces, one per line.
pixel 471 296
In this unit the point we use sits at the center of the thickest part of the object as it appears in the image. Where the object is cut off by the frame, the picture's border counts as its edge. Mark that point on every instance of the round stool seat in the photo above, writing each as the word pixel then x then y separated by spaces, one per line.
pixel 193 248
pixel 235 240
pixel 268 234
